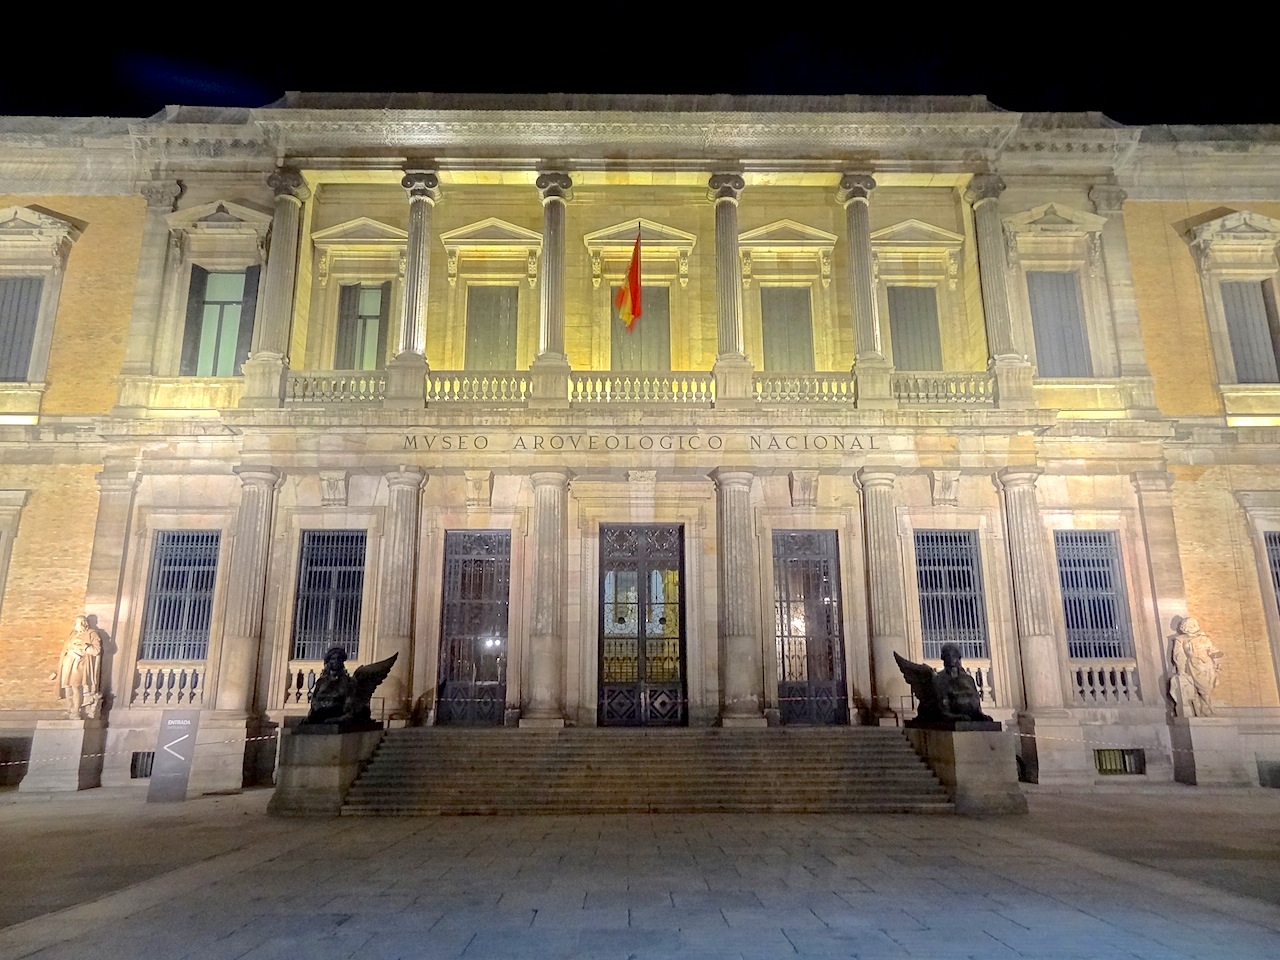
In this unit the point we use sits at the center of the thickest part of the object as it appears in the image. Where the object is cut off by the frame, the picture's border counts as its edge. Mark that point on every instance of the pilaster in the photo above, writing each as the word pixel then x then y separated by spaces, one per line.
pixel 106 564
pixel 886 590
pixel 742 673
pixel 543 686
pixel 396 582
pixel 550 369
pixel 407 371
pixel 162 197
pixel 874 373
pixel 1154 492
pixel 732 369
pixel 1108 201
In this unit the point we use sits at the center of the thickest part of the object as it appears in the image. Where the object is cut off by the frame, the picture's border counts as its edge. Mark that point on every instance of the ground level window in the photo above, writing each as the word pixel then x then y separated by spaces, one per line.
pixel 1093 600
pixel 330 592
pixel 184 566
pixel 949 580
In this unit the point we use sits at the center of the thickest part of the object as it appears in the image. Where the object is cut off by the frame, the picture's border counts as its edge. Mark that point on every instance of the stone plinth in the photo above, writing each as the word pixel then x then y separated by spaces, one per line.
pixel 975 762
pixel 65 755
pixel 318 765
pixel 1054 749
pixel 218 765
pixel 1207 752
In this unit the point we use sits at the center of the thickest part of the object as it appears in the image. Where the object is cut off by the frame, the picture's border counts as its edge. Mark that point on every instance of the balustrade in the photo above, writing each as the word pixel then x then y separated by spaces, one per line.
pixel 299 680
pixel 169 684
pixel 676 387
pixel 335 387
pixel 944 388
pixel 479 386
pixel 834 387
pixel 1105 682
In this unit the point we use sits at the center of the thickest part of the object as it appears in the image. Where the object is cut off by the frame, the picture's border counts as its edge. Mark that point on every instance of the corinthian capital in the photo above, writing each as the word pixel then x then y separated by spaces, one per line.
pixel 984 186
pixel 855 186
pixel 1107 198
pixel 163 194
pixel 725 186
pixel 287 182
pixel 554 185
pixel 421 185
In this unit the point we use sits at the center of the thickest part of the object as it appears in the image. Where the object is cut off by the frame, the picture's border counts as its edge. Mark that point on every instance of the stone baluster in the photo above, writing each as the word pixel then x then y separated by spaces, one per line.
pixel 246 588
pixel 396 585
pixel 266 369
pixel 1034 574
pixel 550 368
pixel 732 369
pixel 1108 201
pixel 886 591
pixel 741 666
pixel 1008 359
pixel 543 693
pixel 407 371
pixel 874 373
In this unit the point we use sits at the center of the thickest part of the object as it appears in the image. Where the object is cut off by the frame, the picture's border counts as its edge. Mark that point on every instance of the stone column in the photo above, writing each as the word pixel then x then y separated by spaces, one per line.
pixel 111 533
pixel 873 372
pixel 1108 201
pixel 162 196
pixel 741 667
pixel 246 587
pixel 542 690
pixel 1033 577
pixel 396 585
pixel 732 369
pixel 1008 358
pixel 886 591
pixel 1154 490
pixel 268 364
pixel 550 367
pixel 407 372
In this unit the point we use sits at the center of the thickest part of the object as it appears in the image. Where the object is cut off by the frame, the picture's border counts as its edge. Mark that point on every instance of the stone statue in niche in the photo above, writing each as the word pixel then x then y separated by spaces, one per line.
pixel 340 697
pixel 80 671
pixel 944 696
pixel 1196 668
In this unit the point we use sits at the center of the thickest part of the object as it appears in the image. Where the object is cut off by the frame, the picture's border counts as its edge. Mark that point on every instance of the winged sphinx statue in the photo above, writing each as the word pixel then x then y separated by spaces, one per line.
pixel 339 696
pixel 943 695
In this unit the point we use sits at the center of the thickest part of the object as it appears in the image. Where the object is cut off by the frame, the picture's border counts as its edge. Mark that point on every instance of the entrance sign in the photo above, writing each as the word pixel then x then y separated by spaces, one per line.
pixel 174 749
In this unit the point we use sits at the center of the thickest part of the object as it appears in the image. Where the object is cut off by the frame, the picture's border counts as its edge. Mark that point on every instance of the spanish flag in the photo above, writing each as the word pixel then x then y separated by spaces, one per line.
pixel 628 299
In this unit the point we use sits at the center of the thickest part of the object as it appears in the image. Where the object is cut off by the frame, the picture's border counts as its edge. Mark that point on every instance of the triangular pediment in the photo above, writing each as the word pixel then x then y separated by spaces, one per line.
pixel 491 233
pixel 1244 226
pixel 34 223
pixel 1055 218
pixel 916 234
pixel 219 215
pixel 787 235
pixel 361 230
pixel 653 235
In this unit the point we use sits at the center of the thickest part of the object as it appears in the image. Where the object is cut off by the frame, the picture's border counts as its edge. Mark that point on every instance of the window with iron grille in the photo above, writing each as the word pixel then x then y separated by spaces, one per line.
pixel 949 579
pixel 179 608
pixel 1272 540
pixel 330 587
pixel 1093 599
pixel 1130 762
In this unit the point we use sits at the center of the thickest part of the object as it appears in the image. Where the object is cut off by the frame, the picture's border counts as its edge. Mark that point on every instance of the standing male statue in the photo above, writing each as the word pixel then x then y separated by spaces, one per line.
pixel 1196 668
pixel 79 670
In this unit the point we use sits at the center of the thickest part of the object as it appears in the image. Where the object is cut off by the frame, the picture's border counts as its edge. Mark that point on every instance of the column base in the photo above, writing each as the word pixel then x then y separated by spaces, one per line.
pixel 219 761
pixel 1207 752
pixel 66 755
pixel 873 384
pixel 265 379
pixel 1053 750
pixel 1013 383
pixel 733 381
pixel 550 374
pixel 406 383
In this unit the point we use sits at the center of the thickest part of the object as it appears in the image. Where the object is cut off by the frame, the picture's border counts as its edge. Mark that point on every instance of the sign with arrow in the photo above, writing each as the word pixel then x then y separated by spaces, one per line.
pixel 174 749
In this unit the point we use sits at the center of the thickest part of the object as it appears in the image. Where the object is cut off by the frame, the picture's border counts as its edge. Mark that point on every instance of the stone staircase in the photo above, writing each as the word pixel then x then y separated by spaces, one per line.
pixel 442 770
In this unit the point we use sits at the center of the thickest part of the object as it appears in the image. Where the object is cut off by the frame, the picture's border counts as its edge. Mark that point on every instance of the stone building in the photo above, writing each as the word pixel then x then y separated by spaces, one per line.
pixel 347 370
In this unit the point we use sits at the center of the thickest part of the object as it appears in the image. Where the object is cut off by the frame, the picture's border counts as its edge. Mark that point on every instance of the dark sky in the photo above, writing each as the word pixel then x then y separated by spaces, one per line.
pixel 1108 70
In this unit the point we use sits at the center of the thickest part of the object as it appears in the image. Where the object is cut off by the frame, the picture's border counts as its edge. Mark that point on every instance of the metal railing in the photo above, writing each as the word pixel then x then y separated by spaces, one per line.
pixel 479 386
pixel 831 387
pixel 1105 682
pixel 339 386
pixel 977 387
pixel 158 684
pixel 694 387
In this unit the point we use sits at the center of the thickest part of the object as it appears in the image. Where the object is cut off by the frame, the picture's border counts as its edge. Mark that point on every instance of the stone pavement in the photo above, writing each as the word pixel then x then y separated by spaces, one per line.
pixel 103 874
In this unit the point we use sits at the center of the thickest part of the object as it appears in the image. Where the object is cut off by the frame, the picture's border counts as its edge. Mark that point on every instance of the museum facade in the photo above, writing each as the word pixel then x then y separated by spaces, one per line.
pixel 349 370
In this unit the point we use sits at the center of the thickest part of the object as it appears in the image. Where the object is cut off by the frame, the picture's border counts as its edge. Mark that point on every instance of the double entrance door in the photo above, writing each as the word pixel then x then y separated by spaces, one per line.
pixel 642 641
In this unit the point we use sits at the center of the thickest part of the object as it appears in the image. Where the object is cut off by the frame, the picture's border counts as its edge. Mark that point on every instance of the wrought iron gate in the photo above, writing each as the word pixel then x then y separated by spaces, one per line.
pixel 807 617
pixel 473 630
pixel 642 672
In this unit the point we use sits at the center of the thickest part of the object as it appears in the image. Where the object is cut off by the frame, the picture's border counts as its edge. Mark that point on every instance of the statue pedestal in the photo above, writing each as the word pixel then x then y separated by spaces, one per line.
pixel 1207 752
pixel 975 762
pixel 318 764
pixel 65 755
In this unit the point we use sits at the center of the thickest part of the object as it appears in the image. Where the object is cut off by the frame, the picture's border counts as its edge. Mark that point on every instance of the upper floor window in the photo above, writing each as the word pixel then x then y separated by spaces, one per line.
pixel 913 327
pixel 647 346
pixel 1253 329
pixel 19 312
pixel 220 313
pixel 1057 324
pixel 786 326
pixel 492 324
pixel 918 266
pixel 34 246
pixel 363 314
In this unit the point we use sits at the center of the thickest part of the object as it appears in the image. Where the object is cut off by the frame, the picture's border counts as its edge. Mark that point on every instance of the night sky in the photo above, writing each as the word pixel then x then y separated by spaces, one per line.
pixel 1106 69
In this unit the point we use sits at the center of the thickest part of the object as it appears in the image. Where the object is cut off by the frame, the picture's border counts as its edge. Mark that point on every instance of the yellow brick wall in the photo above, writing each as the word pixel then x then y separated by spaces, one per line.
pixel 96 300
pixel 48 572
pixel 1220 567
pixel 1175 332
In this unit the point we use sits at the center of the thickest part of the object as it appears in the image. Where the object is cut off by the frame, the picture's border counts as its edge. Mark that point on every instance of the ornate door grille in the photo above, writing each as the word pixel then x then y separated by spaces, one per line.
pixel 473 629
pixel 807 631
pixel 642 672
